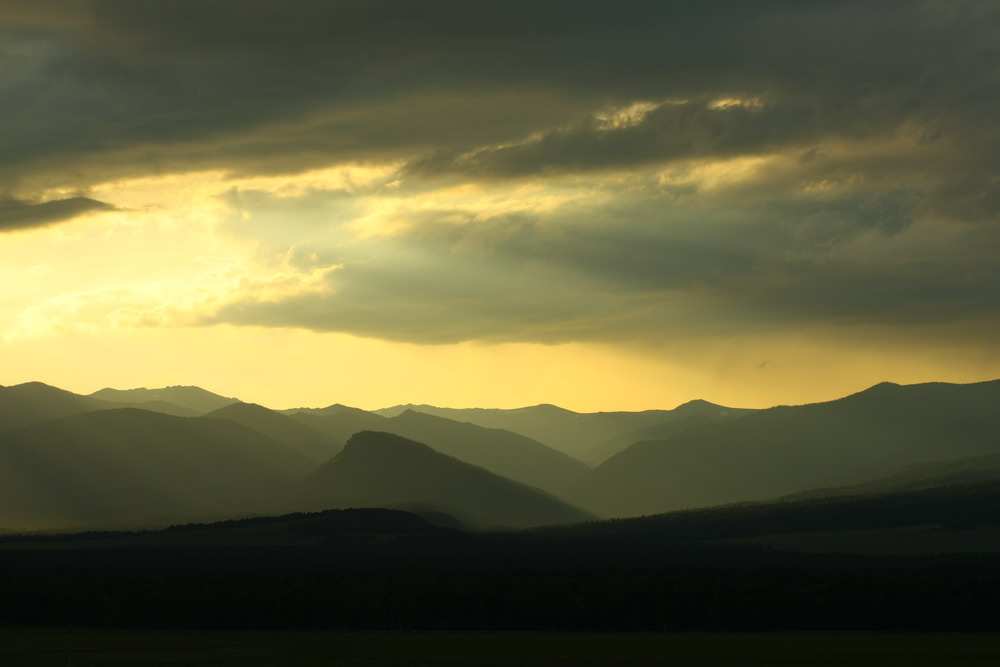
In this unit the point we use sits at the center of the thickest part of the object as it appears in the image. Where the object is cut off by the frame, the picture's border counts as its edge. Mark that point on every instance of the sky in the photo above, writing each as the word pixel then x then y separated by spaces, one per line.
pixel 601 205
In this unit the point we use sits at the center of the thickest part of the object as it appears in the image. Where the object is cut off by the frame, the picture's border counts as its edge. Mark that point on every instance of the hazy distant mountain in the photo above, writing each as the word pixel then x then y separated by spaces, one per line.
pixel 35 402
pixel 506 453
pixel 683 417
pixel 786 450
pixel 102 467
pixel 337 421
pixel 386 470
pixel 309 442
pixel 337 410
pixel 194 398
pixel 574 433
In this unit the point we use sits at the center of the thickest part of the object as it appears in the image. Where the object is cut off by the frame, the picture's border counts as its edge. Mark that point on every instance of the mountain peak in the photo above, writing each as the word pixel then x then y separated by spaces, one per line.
pixel 876 390
pixel 379 442
pixel 35 385
pixel 697 403
pixel 240 407
pixel 416 415
pixel 884 385
pixel 545 408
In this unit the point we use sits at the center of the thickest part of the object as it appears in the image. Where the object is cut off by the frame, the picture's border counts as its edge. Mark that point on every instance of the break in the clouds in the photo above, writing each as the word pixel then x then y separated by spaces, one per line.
pixel 549 171
pixel 649 269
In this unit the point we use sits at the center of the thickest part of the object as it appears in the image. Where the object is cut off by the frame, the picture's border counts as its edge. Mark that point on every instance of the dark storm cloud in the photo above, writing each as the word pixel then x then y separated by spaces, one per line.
pixel 885 211
pixel 673 131
pixel 280 87
pixel 16 214
pixel 640 272
pixel 190 85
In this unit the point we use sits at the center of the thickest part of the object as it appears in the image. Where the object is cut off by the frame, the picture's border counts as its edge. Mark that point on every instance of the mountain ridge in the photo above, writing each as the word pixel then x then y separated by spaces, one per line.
pixel 576 434
pixel 187 396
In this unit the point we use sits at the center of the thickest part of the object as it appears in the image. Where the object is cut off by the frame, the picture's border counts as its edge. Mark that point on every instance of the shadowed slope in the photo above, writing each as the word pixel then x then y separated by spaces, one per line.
pixel 111 465
pixel 385 470
pixel 786 450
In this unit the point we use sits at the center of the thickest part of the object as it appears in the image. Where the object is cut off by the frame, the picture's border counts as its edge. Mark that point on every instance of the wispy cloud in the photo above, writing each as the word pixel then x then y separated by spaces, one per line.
pixel 17 214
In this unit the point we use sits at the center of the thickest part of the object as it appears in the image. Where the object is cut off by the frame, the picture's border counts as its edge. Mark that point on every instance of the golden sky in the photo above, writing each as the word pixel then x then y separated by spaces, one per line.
pixel 473 206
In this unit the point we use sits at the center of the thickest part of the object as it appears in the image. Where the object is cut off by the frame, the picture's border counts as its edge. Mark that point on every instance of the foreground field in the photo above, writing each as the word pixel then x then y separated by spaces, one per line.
pixel 904 541
pixel 42 647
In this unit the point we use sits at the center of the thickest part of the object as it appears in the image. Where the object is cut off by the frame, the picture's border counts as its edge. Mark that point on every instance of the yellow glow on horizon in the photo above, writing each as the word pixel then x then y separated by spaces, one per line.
pixel 110 298
pixel 159 259
pixel 285 368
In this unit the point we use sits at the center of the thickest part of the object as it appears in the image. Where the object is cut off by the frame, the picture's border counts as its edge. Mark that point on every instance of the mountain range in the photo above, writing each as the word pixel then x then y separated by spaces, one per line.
pixel 195 399
pixel 153 456
pixel 582 435
pixel 792 449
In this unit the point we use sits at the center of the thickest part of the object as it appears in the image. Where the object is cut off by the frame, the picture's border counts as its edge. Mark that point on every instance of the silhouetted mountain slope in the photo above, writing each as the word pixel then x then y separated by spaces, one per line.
pixel 111 465
pixel 386 470
pixel 957 507
pixel 503 452
pixel 573 433
pixel 194 398
pixel 651 575
pixel 309 442
pixel 34 402
pixel 785 450
pixel 337 421
pixel 954 508
pixel 346 527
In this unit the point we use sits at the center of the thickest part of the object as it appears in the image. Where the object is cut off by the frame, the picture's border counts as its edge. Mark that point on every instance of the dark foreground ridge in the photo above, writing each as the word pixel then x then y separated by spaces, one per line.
pixel 362 569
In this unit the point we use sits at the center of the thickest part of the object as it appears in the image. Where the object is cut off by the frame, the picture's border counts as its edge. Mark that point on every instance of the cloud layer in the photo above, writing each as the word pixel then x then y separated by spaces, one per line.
pixel 551 171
